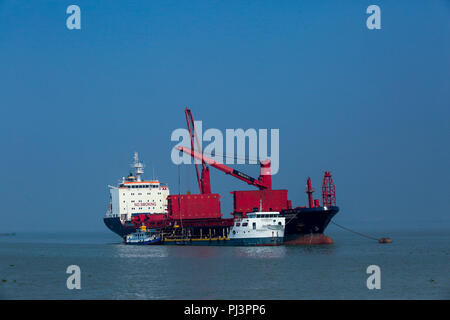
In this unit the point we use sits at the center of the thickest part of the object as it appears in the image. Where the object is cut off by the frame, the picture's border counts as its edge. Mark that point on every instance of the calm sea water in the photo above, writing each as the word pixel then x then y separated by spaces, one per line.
pixel 415 266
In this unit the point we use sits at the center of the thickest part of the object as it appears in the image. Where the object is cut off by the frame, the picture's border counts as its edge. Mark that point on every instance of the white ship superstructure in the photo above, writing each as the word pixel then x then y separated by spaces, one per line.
pixel 134 196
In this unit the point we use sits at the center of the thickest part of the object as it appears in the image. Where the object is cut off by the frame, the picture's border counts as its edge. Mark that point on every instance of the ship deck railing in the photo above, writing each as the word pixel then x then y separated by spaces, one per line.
pixel 193 238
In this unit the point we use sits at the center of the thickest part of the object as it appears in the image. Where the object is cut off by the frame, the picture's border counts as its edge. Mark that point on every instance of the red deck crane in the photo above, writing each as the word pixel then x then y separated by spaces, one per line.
pixel 264 182
pixel 245 201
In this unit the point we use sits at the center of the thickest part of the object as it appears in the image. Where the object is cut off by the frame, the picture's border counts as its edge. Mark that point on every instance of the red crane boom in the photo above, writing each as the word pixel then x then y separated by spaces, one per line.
pixel 264 182
pixel 204 181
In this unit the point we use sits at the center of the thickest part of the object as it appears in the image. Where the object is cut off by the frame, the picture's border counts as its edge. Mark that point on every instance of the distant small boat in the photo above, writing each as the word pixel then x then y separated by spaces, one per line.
pixel 143 237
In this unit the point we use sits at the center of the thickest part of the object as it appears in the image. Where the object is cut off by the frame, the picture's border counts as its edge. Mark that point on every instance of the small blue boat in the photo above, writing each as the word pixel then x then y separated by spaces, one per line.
pixel 143 237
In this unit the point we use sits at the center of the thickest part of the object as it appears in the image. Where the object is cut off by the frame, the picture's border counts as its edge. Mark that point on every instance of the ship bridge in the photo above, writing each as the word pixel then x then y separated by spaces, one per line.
pixel 133 196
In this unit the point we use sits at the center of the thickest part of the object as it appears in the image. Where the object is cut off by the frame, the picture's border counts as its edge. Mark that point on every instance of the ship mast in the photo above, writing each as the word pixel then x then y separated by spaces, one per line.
pixel 138 167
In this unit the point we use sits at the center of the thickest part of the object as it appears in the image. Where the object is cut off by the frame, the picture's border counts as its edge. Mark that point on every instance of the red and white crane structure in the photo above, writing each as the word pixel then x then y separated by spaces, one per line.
pixel 264 181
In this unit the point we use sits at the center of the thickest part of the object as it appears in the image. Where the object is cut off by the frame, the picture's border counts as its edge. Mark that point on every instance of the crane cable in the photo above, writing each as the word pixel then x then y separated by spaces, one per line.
pixel 226 156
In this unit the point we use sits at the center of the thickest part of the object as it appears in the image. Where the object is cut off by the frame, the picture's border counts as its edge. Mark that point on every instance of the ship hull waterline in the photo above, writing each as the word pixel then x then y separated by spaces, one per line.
pixel 304 226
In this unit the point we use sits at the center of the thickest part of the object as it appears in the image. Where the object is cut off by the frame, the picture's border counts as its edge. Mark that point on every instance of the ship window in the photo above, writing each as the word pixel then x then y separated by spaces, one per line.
pixel 237 224
pixel 254 225
pixel 245 224
pixel 258 216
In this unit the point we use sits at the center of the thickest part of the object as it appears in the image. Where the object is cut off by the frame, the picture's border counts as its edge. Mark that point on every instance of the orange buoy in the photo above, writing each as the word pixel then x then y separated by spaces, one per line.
pixel 385 240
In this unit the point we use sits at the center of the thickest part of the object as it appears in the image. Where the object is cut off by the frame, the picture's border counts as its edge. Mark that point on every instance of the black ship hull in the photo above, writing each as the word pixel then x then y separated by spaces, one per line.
pixel 307 225
pixel 190 227
pixel 121 229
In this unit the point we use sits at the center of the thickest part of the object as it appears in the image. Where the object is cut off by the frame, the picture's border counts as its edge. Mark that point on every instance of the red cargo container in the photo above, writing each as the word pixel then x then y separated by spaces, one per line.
pixel 194 206
pixel 270 200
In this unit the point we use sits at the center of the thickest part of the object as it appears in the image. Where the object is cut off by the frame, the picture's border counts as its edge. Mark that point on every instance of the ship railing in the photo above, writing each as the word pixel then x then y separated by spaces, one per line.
pixel 112 215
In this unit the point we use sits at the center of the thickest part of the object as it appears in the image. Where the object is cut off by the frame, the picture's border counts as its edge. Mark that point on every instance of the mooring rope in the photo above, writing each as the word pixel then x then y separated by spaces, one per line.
pixel 362 235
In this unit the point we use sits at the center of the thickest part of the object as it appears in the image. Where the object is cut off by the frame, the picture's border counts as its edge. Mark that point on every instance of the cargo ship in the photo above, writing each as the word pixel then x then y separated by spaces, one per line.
pixel 135 203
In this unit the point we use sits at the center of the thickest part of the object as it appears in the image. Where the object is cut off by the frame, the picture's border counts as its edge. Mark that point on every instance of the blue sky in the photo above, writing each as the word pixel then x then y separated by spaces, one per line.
pixel 370 106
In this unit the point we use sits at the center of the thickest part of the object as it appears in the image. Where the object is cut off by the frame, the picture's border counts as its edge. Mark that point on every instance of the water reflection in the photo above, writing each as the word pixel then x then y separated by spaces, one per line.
pixel 196 251
pixel 313 249
pixel 269 252
pixel 260 252
pixel 127 251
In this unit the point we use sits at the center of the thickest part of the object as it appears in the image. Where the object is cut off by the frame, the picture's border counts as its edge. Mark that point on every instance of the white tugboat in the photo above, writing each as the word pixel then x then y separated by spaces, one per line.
pixel 258 229
pixel 143 237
